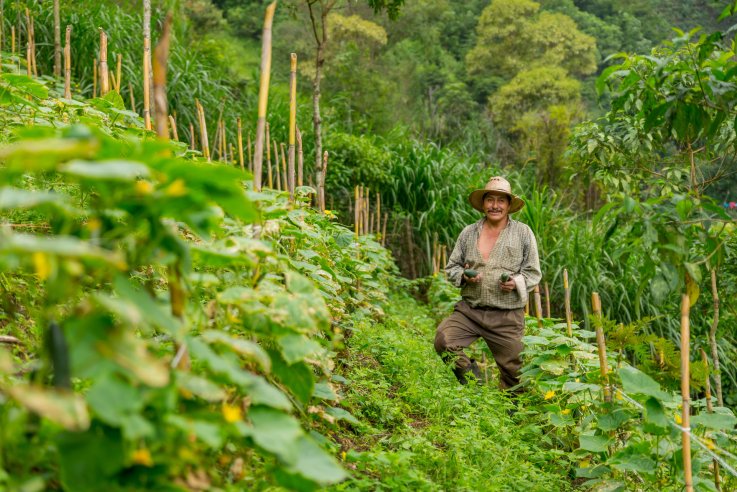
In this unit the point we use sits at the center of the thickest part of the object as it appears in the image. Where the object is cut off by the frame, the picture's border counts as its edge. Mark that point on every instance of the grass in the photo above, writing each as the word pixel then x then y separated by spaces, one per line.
pixel 421 430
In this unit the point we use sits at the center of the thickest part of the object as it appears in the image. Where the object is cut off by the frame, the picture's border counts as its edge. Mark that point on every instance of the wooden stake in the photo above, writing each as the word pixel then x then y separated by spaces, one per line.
pixel 94 79
pixel 713 338
pixel 132 97
pixel 547 301
pixel 203 130
pixel 68 63
pixel 112 81
pixel 300 159
pixel 569 317
pixel 538 307
pixel 263 96
pixel 161 55
pixel 383 231
pixel 224 132
pixel 250 153
pixel 173 125
pixel 119 73
pixel 269 175
pixel 710 409
pixel 146 84
pixel 276 166
pixel 231 152
pixel 367 211
pixel 31 42
pixel 285 170
pixel 57 40
pixel 29 63
pixel 356 210
pixel 12 39
pixel 240 145
pixel 104 75
pixel 191 137
pixel 292 122
pixel 601 344
pixel 685 392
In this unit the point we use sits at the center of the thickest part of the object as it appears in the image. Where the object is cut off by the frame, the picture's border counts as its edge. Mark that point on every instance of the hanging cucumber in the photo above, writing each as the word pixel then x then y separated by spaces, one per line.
pixel 59 352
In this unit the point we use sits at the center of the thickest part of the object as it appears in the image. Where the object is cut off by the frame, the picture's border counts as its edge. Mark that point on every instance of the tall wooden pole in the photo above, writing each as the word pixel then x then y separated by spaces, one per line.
pixel 710 409
pixel 567 293
pixel 300 158
pixel 713 338
pixel 240 145
pixel 132 97
pixel 685 392
pixel 601 344
pixel 276 166
pixel 147 64
pixel 191 137
pixel 104 74
pixel 286 183
pixel 161 57
pixel 263 95
pixel 292 121
pixel 57 40
pixel 173 125
pixel 269 171
pixel 547 300
pixel 250 153
pixel 538 307
pixel 68 63
pixel 119 72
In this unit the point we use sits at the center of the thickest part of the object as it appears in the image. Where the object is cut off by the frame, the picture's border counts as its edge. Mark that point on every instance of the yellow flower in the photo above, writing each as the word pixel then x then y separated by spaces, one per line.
pixel 94 224
pixel 550 394
pixel 618 395
pixel 678 419
pixel 342 455
pixel 144 187
pixel 329 213
pixel 566 411
pixel 584 464
pixel 177 188
pixel 142 457
pixel 710 444
pixel 578 380
pixel 232 413
pixel 42 264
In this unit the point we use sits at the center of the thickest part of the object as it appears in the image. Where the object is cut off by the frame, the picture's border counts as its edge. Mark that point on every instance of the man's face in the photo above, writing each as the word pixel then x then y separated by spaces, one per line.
pixel 496 206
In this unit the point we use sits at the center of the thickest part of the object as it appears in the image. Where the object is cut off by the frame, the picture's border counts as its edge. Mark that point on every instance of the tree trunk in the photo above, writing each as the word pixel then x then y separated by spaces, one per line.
pixel 713 339
pixel 57 40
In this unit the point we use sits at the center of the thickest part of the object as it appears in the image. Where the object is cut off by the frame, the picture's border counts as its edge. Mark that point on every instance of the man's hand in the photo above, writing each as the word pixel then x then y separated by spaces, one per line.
pixel 508 286
pixel 473 280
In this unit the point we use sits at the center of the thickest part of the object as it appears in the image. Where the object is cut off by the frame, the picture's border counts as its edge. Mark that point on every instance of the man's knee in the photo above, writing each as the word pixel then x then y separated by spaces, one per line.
pixel 441 343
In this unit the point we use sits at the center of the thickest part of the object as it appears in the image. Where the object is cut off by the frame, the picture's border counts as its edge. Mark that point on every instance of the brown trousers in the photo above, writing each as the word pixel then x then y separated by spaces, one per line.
pixel 501 329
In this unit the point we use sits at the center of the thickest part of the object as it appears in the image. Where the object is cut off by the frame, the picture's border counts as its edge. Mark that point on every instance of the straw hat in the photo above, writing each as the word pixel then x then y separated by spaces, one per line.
pixel 497 183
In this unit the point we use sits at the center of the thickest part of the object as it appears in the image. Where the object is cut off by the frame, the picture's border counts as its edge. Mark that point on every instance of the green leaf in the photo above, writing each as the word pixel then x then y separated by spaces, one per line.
pixel 574 387
pixel 148 308
pixel 596 444
pixel 25 84
pixel 246 348
pixel 316 464
pixel 325 390
pixel 201 387
pixel 341 414
pixel 295 348
pixel 637 382
pixel 556 367
pixel 613 420
pixel 89 460
pixel 207 432
pixel 716 421
pixel 113 400
pixel 635 457
pixel 66 246
pixel 109 170
pixel 275 432
pixel 11 198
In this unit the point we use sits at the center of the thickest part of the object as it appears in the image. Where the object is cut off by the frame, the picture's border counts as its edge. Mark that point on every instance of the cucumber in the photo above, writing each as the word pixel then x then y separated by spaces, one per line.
pixel 470 273
pixel 505 277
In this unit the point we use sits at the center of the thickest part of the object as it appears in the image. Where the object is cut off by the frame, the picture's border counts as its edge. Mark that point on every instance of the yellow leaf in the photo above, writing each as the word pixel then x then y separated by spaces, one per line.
pixel 42 264
pixel 232 413
pixel 142 457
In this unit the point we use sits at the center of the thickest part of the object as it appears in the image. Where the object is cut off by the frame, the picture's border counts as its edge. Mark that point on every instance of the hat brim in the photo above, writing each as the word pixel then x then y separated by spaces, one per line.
pixel 476 199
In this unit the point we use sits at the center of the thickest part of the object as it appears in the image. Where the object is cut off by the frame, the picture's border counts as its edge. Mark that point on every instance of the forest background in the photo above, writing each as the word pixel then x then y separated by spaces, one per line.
pixel 426 99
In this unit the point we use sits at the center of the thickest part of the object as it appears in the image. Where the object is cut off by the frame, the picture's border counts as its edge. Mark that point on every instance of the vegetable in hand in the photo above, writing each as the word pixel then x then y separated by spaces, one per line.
pixel 505 277
pixel 470 273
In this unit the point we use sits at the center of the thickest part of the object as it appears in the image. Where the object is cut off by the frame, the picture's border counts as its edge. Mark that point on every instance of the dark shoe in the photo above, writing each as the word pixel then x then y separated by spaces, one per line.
pixel 462 374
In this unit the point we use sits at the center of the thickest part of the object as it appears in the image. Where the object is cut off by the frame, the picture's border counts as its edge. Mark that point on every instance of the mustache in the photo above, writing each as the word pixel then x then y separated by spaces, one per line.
pixel 493 210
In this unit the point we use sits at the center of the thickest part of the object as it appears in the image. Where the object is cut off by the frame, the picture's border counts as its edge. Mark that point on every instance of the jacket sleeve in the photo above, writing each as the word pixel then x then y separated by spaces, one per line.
pixel 531 262
pixel 456 262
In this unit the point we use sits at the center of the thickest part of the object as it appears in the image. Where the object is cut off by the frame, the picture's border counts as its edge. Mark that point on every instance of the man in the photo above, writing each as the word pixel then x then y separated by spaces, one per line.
pixel 502 253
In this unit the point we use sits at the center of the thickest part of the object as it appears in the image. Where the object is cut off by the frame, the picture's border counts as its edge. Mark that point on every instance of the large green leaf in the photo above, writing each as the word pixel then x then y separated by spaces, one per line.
pixel 250 350
pixel 635 457
pixel 109 170
pixel 637 382
pixel 316 464
pixel 275 431
pixel 716 421
pixel 89 460
pixel 597 444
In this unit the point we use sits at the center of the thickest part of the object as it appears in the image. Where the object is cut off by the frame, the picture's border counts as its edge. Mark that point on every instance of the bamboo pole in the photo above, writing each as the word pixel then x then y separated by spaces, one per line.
pixel 300 159
pixel 161 55
pixel 94 79
pixel 538 307
pixel 356 210
pixel 68 63
pixel 231 153
pixel 383 231
pixel 269 175
pixel 569 317
pixel 119 73
pixel 277 169
pixel 191 137
pixel 601 344
pixel 710 409
pixel 217 149
pixel 132 97
pixel 112 81
pixel 378 212
pixel 31 34
pixel 250 153
pixel 685 392
pixel 203 130
pixel 547 301
pixel 292 121
pixel 241 161
pixel 713 338
pixel 285 170
pixel 104 75
pixel 57 40
pixel 29 64
pixel 12 39
pixel 146 86
pixel 225 140
pixel 263 95
pixel 173 125
pixel 367 211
